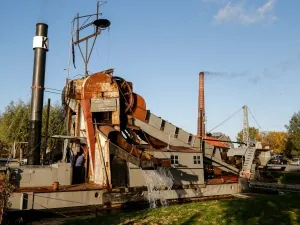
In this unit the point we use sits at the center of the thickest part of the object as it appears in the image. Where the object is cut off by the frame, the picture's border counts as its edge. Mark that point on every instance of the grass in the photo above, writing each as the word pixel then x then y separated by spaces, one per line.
pixel 272 209
pixel 289 178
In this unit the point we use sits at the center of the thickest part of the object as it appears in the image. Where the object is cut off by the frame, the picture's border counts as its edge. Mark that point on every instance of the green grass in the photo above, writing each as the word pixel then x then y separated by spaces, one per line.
pixel 273 209
pixel 289 178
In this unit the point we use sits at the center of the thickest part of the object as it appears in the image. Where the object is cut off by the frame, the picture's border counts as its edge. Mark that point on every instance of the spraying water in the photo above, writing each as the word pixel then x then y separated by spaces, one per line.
pixel 157 180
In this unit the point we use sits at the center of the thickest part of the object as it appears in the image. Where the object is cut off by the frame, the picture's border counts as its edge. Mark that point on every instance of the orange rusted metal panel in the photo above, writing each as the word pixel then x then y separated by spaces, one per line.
pixel 139 109
pixel 90 134
pixel 165 162
pixel 73 89
pixel 107 129
pixel 154 142
pixel 214 142
pixel 99 85
pixel 118 139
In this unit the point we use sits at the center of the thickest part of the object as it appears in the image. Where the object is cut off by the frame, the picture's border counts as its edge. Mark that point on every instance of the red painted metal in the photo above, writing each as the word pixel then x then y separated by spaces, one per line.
pixel 90 134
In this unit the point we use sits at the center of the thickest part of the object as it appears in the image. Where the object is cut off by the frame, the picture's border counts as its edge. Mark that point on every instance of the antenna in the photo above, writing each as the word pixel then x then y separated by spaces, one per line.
pixel 82 23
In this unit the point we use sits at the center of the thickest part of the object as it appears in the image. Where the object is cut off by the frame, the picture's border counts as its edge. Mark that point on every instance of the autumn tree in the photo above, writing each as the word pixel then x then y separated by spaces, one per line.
pixel 253 134
pixel 276 140
pixel 293 141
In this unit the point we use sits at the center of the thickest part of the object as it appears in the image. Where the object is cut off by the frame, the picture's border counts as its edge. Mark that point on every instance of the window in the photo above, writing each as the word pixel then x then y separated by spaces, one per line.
pixel 174 160
pixel 197 159
pixel 176 132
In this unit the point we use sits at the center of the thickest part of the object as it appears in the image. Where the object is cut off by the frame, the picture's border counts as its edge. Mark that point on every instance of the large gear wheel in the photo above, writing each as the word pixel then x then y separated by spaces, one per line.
pixel 126 93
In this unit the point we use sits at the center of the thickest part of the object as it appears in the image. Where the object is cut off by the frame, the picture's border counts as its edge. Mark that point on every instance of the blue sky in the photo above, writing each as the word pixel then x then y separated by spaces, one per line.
pixel 161 46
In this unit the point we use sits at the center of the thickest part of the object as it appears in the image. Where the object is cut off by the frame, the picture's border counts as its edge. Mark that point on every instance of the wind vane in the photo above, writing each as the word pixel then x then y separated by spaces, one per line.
pixel 82 23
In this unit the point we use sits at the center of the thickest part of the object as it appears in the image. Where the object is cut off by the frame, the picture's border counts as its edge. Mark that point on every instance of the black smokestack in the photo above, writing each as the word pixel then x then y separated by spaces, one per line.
pixel 40 46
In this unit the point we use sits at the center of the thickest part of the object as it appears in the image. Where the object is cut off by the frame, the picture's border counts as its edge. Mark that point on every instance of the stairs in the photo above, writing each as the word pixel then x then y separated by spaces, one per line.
pixel 249 156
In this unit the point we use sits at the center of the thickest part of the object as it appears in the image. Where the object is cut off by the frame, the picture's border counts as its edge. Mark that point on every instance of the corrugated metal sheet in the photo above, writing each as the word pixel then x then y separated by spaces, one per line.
pixel 104 105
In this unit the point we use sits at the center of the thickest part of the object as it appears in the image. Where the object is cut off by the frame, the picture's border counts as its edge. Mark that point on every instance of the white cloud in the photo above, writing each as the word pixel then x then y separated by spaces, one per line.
pixel 238 13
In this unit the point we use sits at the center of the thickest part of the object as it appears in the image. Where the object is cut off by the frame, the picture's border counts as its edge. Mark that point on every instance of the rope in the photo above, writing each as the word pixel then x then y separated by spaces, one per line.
pixel 225 120
pixel 53 92
pixel 255 119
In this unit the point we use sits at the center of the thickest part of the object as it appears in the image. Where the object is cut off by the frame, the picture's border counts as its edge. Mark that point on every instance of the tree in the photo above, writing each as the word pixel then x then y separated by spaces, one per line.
pixel 253 135
pixel 14 124
pixel 293 142
pixel 275 140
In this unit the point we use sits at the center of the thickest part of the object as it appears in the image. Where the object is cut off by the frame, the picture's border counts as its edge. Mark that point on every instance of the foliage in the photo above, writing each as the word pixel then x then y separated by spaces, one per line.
pixel 276 140
pixel 7 190
pixel 253 134
pixel 280 209
pixel 14 124
pixel 289 178
pixel 293 142
pixel 56 124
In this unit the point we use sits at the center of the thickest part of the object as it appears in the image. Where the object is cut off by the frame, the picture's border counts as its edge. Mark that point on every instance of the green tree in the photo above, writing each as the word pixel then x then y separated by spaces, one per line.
pixel 293 142
pixel 14 124
pixel 56 125
pixel 253 134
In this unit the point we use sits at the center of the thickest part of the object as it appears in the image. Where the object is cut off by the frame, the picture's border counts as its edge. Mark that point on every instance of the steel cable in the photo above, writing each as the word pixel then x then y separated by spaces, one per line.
pixel 225 120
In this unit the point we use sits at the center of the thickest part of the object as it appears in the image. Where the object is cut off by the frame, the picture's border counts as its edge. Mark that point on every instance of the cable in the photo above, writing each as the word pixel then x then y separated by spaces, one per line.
pixel 225 120
pixel 53 89
pixel 108 50
pixel 53 92
pixel 255 120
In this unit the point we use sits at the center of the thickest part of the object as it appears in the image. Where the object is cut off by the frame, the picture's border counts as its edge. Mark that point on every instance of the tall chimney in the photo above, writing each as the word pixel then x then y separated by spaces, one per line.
pixel 201 107
pixel 40 46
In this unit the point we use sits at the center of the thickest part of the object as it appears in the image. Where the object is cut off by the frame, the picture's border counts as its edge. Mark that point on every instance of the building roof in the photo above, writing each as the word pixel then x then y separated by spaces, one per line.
pixel 215 142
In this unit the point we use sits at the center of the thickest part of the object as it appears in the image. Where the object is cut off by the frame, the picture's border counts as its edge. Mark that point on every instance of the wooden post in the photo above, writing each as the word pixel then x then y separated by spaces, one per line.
pixel 46 130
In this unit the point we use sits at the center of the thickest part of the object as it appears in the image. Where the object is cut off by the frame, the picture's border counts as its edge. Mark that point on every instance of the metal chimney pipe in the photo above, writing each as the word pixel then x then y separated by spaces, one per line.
pixel 201 107
pixel 40 46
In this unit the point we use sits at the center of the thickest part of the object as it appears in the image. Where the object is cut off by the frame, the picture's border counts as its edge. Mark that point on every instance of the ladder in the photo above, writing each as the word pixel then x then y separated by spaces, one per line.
pixel 249 156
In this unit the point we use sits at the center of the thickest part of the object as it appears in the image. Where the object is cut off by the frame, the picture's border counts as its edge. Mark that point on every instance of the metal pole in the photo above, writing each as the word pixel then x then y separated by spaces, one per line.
pixel 47 128
pixel 14 152
pixel 86 57
pixel 40 46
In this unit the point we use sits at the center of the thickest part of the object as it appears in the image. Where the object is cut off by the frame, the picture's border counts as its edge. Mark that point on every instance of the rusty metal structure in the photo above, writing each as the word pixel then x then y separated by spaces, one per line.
pixel 104 110
pixel 120 138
